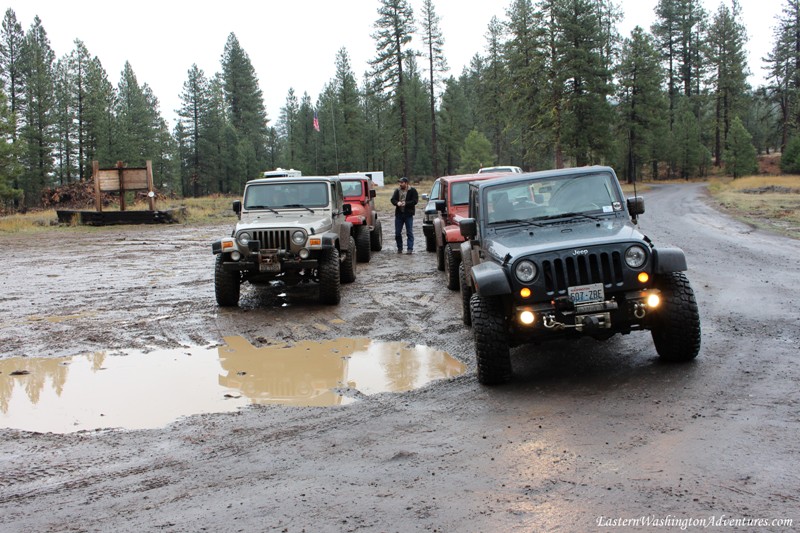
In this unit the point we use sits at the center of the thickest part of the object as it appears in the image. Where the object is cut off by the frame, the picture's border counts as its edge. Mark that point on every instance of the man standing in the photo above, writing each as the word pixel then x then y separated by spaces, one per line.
pixel 404 199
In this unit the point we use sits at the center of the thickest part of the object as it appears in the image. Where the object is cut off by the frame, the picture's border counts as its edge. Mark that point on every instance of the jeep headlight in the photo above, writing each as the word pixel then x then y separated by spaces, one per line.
pixel 525 271
pixel 635 256
pixel 243 238
pixel 299 237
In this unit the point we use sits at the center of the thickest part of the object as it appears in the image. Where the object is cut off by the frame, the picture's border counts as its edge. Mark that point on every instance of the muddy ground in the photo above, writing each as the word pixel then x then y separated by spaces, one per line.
pixel 587 432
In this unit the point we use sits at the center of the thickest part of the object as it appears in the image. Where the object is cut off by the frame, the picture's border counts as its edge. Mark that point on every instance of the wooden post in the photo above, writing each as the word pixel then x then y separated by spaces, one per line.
pixel 151 194
pixel 98 202
pixel 121 185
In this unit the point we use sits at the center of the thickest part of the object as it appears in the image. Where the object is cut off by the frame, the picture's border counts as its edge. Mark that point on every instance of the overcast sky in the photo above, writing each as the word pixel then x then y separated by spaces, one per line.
pixel 291 43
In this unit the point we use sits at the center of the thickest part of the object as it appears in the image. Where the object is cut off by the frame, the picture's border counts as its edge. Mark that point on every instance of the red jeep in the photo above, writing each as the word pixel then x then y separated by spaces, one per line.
pixel 452 206
pixel 360 194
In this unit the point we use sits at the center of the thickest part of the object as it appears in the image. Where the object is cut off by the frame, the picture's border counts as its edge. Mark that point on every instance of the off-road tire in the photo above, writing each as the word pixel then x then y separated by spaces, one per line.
pixel 329 284
pixel 439 258
pixel 491 340
pixel 347 273
pixel 451 263
pixel 466 294
pixel 376 237
pixel 363 244
pixel 227 285
pixel 676 324
pixel 430 243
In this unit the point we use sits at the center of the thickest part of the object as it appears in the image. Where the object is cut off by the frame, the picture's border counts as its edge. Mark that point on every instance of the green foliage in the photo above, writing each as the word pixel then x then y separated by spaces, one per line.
pixel 790 158
pixel 476 153
pixel 740 157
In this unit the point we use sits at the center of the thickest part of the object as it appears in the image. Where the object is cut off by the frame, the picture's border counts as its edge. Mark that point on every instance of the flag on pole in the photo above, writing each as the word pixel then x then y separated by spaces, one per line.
pixel 316 121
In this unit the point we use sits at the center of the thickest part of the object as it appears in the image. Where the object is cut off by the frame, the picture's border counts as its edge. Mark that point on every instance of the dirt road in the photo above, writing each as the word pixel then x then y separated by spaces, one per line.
pixel 586 433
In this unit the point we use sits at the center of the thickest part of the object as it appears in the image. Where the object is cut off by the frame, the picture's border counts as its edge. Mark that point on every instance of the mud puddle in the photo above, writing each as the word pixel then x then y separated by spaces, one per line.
pixel 148 390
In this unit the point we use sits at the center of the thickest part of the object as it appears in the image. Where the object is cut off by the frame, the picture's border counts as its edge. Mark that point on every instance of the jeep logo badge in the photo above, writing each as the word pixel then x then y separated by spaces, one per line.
pixel 580 252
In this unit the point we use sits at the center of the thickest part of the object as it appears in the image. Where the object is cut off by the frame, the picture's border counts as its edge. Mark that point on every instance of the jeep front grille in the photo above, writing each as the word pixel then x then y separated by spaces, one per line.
pixel 560 273
pixel 273 239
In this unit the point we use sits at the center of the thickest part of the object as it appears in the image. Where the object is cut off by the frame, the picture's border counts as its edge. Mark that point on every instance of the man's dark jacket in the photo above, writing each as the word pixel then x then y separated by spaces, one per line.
pixel 411 201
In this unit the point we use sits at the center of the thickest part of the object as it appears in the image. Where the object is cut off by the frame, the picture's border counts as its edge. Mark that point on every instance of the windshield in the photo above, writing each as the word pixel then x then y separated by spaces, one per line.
pixel 351 188
pixel 277 195
pixel 565 196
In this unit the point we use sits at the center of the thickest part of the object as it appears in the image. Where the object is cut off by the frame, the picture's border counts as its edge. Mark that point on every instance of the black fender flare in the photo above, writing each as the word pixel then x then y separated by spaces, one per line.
pixel 666 260
pixel 490 280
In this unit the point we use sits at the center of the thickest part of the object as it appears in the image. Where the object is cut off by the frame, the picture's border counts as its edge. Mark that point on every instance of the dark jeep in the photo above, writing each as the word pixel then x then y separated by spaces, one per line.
pixel 290 229
pixel 557 254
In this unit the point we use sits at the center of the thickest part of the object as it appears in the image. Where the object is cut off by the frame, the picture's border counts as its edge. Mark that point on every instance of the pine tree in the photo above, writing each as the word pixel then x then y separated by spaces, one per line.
pixel 287 122
pixel 9 158
pixel 99 116
pixel 194 108
pixel 65 132
pixel 433 40
pixel 133 131
pixel 11 45
pixel 476 153
pixel 79 66
pixel 740 156
pixel 454 118
pixel 784 70
pixel 727 57
pixel 641 106
pixel 395 26
pixel 349 115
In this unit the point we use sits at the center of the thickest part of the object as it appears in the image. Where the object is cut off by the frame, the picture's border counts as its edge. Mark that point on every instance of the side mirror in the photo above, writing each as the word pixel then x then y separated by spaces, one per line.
pixel 636 206
pixel 237 207
pixel 468 227
pixel 347 209
pixel 373 193
pixel 441 205
pixel 425 196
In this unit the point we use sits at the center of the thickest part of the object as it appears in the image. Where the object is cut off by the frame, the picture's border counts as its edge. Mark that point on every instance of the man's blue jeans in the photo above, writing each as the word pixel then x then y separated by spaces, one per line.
pixel 407 221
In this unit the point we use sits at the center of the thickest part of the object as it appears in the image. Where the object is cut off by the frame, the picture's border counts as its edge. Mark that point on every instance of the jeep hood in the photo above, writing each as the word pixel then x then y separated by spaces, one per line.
pixel 321 218
pixel 525 240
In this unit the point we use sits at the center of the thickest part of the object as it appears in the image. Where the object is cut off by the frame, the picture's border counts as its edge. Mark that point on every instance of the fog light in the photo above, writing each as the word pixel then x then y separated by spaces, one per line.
pixel 303 253
pixel 525 292
pixel 653 300
pixel 235 255
pixel 644 277
pixel 527 317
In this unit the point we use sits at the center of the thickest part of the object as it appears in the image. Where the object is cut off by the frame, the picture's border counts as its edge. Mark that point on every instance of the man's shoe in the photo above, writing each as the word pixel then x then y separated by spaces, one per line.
pixel 399 251
pixel 410 251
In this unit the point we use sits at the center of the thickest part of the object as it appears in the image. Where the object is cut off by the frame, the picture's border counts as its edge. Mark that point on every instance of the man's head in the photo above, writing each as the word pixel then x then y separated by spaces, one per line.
pixel 403 182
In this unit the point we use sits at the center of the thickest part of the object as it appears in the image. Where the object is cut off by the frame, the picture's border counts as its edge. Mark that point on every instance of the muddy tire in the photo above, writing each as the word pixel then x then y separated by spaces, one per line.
pixel 451 263
pixel 430 243
pixel 347 274
pixel 363 244
pixel 227 285
pixel 329 286
pixel 439 258
pixel 466 294
pixel 376 237
pixel 676 324
pixel 491 340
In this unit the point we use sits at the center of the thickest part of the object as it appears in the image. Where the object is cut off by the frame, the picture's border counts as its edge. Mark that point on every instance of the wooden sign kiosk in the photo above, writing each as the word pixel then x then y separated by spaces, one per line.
pixel 122 179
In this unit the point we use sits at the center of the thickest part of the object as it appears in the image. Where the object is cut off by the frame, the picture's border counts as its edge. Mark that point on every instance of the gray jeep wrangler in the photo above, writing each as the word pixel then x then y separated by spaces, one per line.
pixel 557 254
pixel 292 229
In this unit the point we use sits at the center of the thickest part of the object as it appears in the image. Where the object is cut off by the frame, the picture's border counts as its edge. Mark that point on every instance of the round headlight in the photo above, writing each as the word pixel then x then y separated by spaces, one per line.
pixel 243 238
pixel 299 237
pixel 635 256
pixel 525 271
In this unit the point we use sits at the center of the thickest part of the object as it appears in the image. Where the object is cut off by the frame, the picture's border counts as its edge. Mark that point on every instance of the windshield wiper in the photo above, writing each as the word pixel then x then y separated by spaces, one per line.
pixel 525 221
pixel 300 206
pixel 262 207
pixel 568 215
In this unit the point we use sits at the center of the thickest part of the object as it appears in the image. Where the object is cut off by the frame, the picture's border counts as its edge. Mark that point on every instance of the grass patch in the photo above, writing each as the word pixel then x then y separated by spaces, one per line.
pixel 32 222
pixel 767 202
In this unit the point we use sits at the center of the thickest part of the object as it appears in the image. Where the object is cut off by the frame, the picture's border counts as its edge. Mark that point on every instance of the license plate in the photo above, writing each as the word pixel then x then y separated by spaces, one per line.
pixel 582 294
pixel 269 267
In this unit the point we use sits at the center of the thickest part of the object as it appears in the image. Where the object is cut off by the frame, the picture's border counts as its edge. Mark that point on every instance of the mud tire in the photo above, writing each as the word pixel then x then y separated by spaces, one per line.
pixel 363 244
pixel 430 243
pixel 439 258
pixel 227 285
pixel 348 268
pixel 676 325
pixel 466 294
pixel 329 283
pixel 376 237
pixel 491 341
pixel 451 263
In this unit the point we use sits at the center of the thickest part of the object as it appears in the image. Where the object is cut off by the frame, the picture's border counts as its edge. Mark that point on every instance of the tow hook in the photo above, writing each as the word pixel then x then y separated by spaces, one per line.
pixel 549 322
pixel 639 310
